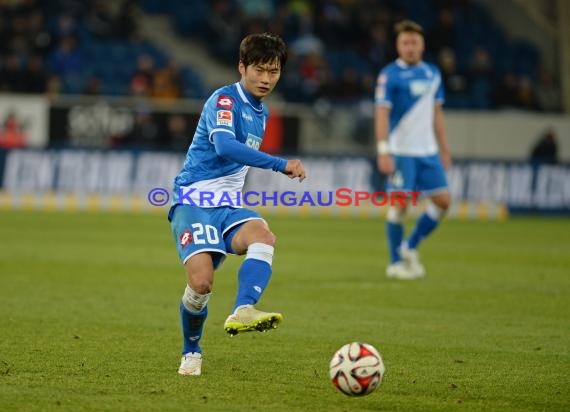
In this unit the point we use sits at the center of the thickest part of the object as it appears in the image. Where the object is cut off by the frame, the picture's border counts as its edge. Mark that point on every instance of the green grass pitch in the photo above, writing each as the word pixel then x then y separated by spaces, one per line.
pixel 89 318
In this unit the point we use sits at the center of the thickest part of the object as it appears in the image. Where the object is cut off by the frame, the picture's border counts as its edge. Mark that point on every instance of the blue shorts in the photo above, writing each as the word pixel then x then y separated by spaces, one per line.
pixel 197 229
pixel 421 174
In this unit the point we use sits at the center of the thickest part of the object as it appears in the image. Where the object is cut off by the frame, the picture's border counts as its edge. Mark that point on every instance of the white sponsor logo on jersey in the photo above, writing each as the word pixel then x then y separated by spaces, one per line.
pixel 253 141
pixel 419 87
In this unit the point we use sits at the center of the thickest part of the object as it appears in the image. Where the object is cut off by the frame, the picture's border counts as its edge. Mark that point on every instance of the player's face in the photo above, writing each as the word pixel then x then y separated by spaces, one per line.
pixel 410 47
pixel 260 79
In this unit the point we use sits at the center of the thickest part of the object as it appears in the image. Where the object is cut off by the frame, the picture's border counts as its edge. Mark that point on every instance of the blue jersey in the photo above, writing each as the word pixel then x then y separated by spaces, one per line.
pixel 230 115
pixel 411 92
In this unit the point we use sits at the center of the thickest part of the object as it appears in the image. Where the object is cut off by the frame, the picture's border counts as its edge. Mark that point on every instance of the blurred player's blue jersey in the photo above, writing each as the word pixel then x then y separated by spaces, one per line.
pixel 411 92
pixel 231 110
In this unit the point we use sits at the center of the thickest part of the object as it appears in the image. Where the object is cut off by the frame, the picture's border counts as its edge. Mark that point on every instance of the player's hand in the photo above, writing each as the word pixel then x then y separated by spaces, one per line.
pixel 295 169
pixel 446 160
pixel 385 164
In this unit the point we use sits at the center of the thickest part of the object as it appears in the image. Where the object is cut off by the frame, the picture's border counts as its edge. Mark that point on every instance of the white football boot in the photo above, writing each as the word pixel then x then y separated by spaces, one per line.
pixel 247 319
pixel 412 258
pixel 191 364
pixel 400 270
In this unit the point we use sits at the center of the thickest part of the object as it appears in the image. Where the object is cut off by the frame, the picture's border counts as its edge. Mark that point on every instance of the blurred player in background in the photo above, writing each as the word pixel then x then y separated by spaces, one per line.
pixel 410 132
pixel 225 144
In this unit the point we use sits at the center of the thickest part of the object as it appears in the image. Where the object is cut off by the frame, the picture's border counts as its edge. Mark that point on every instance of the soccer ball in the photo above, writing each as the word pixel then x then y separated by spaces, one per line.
pixel 356 369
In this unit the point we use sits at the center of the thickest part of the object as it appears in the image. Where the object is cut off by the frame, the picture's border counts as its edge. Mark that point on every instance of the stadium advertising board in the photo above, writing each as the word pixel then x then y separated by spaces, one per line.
pixel 522 187
pixel 128 124
pixel 102 124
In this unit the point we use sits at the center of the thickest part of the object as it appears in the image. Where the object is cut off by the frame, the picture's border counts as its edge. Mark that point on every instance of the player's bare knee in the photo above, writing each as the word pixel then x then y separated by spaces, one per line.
pixel 266 237
pixel 442 201
pixel 272 239
pixel 396 214
pixel 201 285
pixel 200 280
pixel 444 204
pixel 200 272
pixel 435 209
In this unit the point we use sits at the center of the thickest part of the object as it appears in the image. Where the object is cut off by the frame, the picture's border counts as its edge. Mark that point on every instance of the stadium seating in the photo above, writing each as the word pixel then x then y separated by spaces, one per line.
pixel 474 28
pixel 108 54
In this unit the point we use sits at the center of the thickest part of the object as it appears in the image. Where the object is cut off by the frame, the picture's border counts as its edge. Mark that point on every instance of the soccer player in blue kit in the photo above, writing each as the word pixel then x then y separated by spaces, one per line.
pixel 412 145
pixel 226 143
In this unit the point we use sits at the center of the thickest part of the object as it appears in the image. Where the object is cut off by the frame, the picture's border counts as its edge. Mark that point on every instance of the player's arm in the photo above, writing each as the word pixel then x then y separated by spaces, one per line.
pixel 383 103
pixel 220 120
pixel 229 148
pixel 441 135
pixel 381 119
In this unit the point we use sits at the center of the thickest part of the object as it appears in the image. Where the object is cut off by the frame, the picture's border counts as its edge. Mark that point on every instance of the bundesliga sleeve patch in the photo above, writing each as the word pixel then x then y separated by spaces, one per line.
pixel 226 102
pixel 224 118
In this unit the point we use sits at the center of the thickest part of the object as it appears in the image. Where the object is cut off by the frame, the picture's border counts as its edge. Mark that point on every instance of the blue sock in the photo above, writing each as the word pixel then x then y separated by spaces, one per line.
pixel 253 277
pixel 426 224
pixel 395 235
pixel 192 326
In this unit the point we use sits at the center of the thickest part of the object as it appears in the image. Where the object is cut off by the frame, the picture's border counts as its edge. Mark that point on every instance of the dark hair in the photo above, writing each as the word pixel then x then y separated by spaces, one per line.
pixel 262 48
pixel 408 26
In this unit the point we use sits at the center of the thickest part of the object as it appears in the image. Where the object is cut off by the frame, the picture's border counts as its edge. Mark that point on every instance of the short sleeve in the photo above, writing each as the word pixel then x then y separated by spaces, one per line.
pixel 384 93
pixel 220 114
pixel 440 92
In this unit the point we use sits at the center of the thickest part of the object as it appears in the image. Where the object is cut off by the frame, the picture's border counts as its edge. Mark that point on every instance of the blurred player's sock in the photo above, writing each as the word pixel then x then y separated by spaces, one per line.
pixel 192 326
pixel 395 231
pixel 395 236
pixel 254 274
pixel 427 222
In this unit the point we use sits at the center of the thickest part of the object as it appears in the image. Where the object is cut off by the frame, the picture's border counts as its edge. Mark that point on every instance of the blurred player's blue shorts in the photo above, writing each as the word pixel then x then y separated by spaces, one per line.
pixel 418 173
pixel 197 229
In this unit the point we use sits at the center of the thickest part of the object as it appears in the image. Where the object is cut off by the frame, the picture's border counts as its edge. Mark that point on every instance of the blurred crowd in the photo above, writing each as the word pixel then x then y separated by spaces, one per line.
pixel 87 47
pixel 337 48
pixel 24 46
